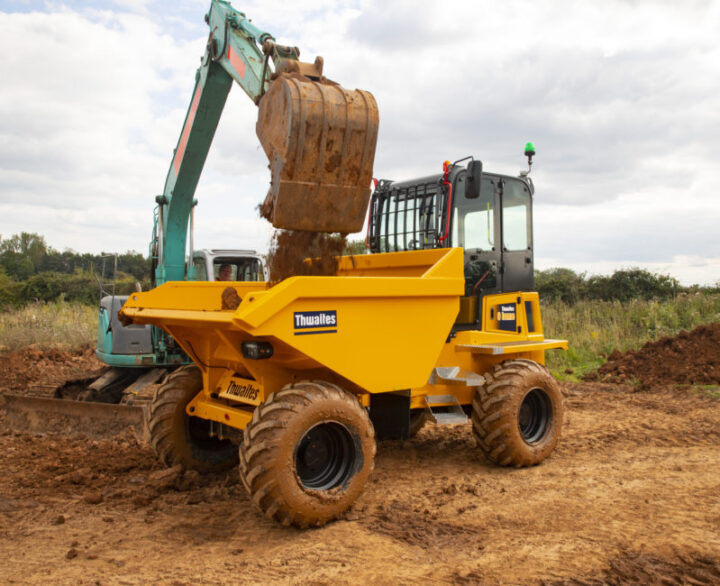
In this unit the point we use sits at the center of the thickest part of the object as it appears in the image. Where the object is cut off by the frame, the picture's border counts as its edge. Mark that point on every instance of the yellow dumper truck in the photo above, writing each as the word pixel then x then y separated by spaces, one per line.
pixel 298 382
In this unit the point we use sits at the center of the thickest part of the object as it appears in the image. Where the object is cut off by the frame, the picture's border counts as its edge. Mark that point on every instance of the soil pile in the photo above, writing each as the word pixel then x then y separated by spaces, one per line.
pixel 688 358
pixel 23 369
pixel 300 253
pixel 297 253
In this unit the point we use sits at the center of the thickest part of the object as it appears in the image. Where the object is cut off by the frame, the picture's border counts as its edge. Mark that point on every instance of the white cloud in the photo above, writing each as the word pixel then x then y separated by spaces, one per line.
pixel 622 100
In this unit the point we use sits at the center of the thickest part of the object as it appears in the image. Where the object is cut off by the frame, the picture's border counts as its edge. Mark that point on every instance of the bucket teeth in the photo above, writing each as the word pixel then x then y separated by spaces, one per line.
pixel 320 139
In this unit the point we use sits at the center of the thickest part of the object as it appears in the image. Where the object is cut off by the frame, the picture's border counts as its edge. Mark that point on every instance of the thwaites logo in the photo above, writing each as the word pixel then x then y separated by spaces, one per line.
pixel 241 390
pixel 315 322
pixel 507 318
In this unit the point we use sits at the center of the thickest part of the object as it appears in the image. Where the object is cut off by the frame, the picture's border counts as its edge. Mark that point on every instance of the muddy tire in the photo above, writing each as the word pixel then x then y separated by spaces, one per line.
pixel 307 453
pixel 180 439
pixel 418 419
pixel 517 414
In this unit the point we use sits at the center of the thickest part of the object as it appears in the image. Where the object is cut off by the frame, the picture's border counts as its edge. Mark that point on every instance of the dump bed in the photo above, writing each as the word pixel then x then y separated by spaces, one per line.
pixel 380 323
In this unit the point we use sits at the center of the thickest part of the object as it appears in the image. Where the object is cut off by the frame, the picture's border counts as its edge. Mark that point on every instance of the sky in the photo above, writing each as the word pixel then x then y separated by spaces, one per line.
pixel 621 99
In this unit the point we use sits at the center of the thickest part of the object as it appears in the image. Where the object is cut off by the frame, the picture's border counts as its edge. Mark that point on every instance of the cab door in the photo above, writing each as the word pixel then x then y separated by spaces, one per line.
pixel 476 228
pixel 516 234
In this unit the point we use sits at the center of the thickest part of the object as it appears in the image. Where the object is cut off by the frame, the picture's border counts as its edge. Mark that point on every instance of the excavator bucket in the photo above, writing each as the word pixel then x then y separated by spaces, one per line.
pixel 320 139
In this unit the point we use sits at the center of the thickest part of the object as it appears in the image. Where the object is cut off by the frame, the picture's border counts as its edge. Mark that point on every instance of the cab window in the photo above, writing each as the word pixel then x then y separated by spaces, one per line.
pixel 229 271
pixel 473 219
pixel 516 216
pixel 200 271
pixel 250 270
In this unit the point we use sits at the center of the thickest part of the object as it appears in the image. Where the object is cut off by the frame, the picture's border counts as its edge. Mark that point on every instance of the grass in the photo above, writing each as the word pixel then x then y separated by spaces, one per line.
pixel 48 325
pixel 712 391
pixel 596 328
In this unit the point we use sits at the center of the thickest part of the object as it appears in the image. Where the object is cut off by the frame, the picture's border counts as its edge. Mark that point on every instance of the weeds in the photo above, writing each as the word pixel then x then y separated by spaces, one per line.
pixel 596 328
pixel 593 328
pixel 48 325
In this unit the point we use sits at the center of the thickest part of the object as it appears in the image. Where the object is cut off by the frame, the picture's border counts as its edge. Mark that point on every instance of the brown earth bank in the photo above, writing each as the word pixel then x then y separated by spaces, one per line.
pixel 689 358
pixel 31 368
pixel 631 495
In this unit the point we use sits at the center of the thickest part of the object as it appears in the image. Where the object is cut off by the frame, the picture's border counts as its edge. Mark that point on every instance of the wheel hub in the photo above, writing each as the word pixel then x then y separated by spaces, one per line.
pixel 535 416
pixel 325 456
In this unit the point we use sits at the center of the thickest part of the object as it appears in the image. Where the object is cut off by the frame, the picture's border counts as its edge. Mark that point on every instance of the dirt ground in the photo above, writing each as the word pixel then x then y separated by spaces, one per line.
pixel 632 494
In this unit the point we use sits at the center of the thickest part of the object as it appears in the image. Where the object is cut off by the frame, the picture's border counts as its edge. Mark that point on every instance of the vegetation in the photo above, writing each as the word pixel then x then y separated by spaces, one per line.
pixel 48 298
pixel 48 325
pixel 356 247
pixel 26 254
pixel 623 285
pixel 31 271
pixel 596 328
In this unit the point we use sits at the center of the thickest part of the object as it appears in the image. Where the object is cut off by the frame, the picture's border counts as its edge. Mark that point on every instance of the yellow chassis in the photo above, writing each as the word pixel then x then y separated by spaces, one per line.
pixel 382 325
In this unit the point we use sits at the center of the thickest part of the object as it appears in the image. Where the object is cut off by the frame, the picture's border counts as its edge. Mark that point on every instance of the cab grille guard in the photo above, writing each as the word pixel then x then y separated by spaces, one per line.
pixel 413 217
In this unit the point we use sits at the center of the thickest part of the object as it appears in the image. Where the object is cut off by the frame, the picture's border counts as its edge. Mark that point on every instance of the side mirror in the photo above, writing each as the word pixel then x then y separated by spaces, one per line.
pixel 473 179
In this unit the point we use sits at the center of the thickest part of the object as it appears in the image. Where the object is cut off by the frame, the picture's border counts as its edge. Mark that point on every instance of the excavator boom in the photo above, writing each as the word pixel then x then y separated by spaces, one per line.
pixel 319 137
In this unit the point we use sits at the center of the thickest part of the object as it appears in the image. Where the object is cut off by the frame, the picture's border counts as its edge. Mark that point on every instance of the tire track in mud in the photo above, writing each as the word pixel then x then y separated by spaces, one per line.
pixel 420 526
pixel 666 417
pixel 643 568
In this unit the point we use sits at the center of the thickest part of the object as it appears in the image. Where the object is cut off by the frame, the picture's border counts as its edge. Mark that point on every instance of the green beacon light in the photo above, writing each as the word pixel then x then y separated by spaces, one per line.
pixel 529 153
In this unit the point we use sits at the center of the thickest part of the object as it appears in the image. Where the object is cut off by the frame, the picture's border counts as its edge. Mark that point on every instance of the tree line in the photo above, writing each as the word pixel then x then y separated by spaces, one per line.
pixel 26 254
pixel 623 285
pixel 31 270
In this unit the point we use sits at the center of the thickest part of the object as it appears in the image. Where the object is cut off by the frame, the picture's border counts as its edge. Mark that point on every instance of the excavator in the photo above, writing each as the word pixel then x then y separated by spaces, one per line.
pixel 320 141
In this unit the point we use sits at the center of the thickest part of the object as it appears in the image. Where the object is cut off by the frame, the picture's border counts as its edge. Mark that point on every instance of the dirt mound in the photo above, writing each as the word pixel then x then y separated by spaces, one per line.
pixel 21 370
pixel 688 358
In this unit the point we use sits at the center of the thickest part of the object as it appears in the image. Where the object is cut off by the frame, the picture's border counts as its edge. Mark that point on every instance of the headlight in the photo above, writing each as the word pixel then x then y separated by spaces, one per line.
pixel 257 350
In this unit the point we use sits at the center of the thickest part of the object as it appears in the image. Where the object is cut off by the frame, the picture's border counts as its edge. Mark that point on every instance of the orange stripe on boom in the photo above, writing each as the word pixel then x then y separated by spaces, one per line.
pixel 180 152
pixel 237 63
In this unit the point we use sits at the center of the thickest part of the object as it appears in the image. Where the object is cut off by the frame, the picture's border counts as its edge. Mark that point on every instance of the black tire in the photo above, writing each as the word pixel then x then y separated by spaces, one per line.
pixel 307 453
pixel 517 414
pixel 418 419
pixel 178 438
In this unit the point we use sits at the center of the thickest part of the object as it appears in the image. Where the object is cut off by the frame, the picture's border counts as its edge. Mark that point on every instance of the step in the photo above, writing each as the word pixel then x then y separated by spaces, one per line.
pixel 514 347
pixel 455 374
pixel 452 410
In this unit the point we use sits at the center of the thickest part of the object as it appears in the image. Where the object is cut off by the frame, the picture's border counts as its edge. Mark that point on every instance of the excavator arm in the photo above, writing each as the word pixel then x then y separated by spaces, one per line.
pixel 319 137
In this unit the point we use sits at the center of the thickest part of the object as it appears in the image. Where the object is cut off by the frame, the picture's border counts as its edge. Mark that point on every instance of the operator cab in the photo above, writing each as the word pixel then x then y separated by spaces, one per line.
pixel 493 224
pixel 245 265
